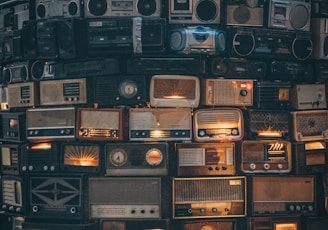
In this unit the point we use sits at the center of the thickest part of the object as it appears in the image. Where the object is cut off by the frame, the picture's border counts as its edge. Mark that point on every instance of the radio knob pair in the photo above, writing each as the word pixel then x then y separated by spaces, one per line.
pixel 65 131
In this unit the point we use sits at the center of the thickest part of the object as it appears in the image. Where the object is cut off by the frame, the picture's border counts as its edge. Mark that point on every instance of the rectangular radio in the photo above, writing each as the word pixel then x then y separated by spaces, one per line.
pixel 266 156
pixel 25 94
pixel 160 124
pixel 209 197
pixel 57 123
pixel 218 124
pixel 10 159
pixel 57 197
pixel 310 157
pixel 104 124
pixel 274 223
pixel 174 91
pixel 65 92
pixel 227 92
pixel 213 224
pixel 114 198
pixel 35 225
pixel 21 15
pixel 13 126
pixel 13 195
pixel 267 123
pixel 282 195
pixel 137 159
pixel 137 225
pixel 308 96
pixel 201 159
pixel 319 9
pixel 319 32
pixel 4 98
pixel 309 125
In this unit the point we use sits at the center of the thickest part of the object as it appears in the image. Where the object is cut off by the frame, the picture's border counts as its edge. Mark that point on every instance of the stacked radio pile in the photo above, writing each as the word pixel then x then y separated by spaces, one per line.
pixel 150 114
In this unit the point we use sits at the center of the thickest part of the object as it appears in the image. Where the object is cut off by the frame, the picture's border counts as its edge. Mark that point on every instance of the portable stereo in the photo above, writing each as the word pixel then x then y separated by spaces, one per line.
pixel 137 225
pixel 114 198
pixel 213 223
pixel 218 124
pixel 21 15
pixel 319 29
pixel 13 195
pixel 284 195
pixel 226 92
pixel 25 94
pixel 197 40
pixel 274 223
pixel 35 225
pixel 201 159
pixel 160 124
pixel 319 9
pixel 315 223
pixel 4 98
pixel 174 91
pixel 45 9
pixel 308 96
pixel 194 12
pixel 137 159
pixel 209 197
pixel 266 156
pixel 10 158
pixel 105 124
pixel 45 124
pixel 309 125
pixel 16 72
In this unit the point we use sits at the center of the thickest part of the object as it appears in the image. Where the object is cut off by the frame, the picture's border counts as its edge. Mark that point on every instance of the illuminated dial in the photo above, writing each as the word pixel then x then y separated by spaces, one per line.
pixel 154 156
pixel 128 89
pixel 118 157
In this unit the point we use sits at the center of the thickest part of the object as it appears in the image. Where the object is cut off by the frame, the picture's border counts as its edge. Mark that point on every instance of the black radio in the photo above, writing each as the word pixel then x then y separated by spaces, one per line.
pixel 13 195
pixel 319 9
pixel 11 45
pixel 13 125
pixel 10 158
pixel 35 225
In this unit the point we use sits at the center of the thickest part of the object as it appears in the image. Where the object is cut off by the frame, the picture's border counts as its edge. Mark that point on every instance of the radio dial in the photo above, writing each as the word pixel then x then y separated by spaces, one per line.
pixel 118 157
pixel 154 157
pixel 128 89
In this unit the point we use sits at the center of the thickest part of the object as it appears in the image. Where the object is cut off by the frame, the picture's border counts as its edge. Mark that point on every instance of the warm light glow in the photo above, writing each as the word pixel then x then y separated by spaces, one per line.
pixel 315 145
pixel 174 97
pixel 269 134
pixel 81 155
pixel 41 146
pixel 82 162
pixel 289 226
pixel 156 133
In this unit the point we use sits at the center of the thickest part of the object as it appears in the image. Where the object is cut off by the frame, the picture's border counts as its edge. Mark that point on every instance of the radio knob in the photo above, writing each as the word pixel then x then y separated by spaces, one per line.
pixel 280 166
pixel 210 168
pixel 266 166
pixel 11 208
pixel 152 211
pixel 202 210
pixel 35 209
pixel 133 211
pixel 24 168
pixel 189 211
pixel 291 207
pixel 18 210
pixel 4 206
pixel 305 208
pixel 218 168
pixel 252 166
pixel 142 211
pixel 298 208
pixel 234 132
pixel 202 133
pixel 243 92
pixel 73 210
pixel 30 167
pixel 52 168
pixel 310 208
pixel 214 209
pixel 45 168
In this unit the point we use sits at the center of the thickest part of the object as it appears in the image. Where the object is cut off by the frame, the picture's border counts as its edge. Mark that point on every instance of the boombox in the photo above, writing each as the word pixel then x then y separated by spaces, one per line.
pixel 240 68
pixel 35 225
pixel 11 46
pixel 267 123
pixel 16 72
pixel 274 223
pixel 213 224
pixel 308 96
pixel 160 124
pixel 272 94
pixel 197 40
pixel 114 198
pixel 65 92
pixel 119 8
pixel 266 156
pixel 25 94
pixel 309 125
pixel 136 225
pixel 209 197
pixel 120 90
pixel 173 64
pixel 10 159
pixel 226 92
pixel 319 9
pixel 289 14
pixel 198 159
pixel 273 195
pixel 310 157
pixel 105 124
pixel 13 195
pixel 125 35
pixel 270 43
pixel 137 159
pixel 57 123
pixel 45 9
pixel 57 197
pixel 195 12
pixel 174 91
pixel 218 124
pixel 13 125
pixel 241 13
pixel 319 31
pixel 4 98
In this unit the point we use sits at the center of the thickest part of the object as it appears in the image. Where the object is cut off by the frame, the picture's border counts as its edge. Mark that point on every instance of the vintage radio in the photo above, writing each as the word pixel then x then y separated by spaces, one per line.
pixel 194 12
pixel 198 159
pixel 197 40
pixel 16 72
pixel 160 124
pixel 309 125
pixel 266 156
pixel 310 157
pixel 65 92
pixel 240 68
pixel 13 125
pixel 120 90
pixel 308 96
pixel 209 197
pixel 218 124
pixel 319 29
pixel 13 195
pixel 21 15
pixel 315 223
pixel 319 9
pixel 57 123
pixel 10 158
pixel 125 35
pixel 272 94
pixel 282 195
pixel 105 124
pixel 4 98
pixel 226 92
pixel 174 91
pixel 25 94
pixel 57 197
pixel 289 14
pixel 81 157
pixel 114 198
pixel 136 225
pixel 11 46
pixel 137 159
pixel 249 13
pixel 29 45
pixel 265 123
pixel 40 158
pixel 213 224
pixel 125 8
pixel 6 14
pixel 274 223
pixel 270 43
pixel 35 225
pixel 10 222
pixel 45 9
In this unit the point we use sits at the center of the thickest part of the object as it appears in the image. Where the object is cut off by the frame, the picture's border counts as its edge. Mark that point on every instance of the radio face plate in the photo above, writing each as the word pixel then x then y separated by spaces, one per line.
pixel 13 126
pixel 309 96
pixel 10 159
pixel 45 9
pixel 23 95
pixel 13 194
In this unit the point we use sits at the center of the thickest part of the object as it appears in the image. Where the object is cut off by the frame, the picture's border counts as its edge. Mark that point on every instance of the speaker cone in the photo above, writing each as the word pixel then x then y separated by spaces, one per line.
pixel 243 44
pixel 299 17
pixel 206 10
pixel 97 7
pixel 146 7
pixel 302 48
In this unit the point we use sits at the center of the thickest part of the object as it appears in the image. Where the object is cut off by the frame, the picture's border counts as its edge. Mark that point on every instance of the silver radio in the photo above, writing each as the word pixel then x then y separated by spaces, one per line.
pixel 309 96
pixel 60 8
